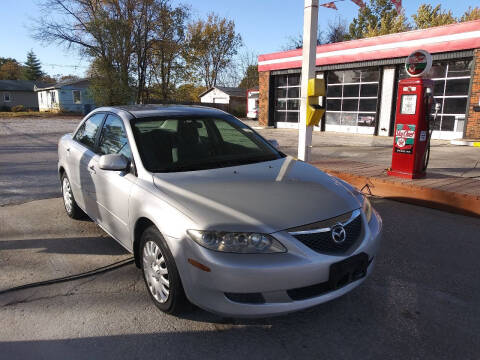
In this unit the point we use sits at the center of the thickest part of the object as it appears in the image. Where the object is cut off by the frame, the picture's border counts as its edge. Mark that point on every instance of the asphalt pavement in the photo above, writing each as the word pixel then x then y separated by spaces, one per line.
pixel 421 302
pixel 28 157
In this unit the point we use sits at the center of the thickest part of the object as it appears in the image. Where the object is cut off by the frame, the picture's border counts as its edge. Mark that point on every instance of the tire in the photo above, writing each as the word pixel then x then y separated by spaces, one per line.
pixel 71 207
pixel 160 273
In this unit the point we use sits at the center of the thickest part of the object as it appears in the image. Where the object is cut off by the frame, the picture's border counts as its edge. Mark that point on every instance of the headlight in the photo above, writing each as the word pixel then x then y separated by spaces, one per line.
pixel 367 208
pixel 243 243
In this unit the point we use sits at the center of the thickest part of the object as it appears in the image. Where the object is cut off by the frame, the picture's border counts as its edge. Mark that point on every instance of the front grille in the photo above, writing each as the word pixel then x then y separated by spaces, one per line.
pixel 322 241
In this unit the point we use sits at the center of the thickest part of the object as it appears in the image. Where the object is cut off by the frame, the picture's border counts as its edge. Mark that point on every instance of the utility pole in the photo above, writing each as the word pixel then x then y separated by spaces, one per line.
pixel 310 26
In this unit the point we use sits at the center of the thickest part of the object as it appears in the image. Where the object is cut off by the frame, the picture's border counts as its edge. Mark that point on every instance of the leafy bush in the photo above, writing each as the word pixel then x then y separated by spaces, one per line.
pixel 18 108
pixel 4 108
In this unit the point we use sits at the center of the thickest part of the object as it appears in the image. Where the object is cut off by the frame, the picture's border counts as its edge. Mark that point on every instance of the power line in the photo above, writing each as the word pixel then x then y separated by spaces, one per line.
pixel 62 65
pixel 59 65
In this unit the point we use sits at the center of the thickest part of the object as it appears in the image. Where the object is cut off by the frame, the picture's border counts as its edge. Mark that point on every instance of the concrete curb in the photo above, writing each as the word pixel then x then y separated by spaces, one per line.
pixel 465 143
pixel 390 188
pixel 262 127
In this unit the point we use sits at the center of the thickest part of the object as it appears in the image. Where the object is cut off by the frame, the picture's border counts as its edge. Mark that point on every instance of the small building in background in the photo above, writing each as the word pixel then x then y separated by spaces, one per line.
pixel 68 96
pixel 252 103
pixel 234 97
pixel 18 93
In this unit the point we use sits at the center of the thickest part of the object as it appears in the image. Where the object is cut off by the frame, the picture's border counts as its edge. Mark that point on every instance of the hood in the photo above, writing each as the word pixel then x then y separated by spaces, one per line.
pixel 263 197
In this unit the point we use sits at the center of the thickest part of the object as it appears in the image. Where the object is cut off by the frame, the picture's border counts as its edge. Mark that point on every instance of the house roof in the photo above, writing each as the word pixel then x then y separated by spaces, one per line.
pixel 440 39
pixel 19 85
pixel 231 91
pixel 61 84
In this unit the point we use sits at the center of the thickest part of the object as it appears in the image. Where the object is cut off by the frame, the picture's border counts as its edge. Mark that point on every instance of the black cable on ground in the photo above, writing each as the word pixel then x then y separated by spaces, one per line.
pixel 100 270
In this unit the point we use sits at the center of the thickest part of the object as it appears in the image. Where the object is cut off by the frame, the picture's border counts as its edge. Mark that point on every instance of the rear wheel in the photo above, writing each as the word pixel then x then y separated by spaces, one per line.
pixel 160 273
pixel 71 207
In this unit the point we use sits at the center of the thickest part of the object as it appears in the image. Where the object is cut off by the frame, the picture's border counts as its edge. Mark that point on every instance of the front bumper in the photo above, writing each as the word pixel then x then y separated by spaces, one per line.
pixel 271 275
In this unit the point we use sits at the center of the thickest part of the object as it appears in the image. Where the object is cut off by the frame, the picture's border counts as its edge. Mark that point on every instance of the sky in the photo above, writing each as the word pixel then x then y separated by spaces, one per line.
pixel 264 25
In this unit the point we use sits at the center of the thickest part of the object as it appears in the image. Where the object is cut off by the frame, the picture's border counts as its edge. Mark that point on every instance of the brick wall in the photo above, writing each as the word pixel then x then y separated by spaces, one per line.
pixel 263 99
pixel 473 119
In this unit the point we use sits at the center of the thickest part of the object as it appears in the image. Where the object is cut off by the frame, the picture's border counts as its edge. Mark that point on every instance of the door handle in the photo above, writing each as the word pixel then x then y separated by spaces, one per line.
pixel 92 169
pixel 68 149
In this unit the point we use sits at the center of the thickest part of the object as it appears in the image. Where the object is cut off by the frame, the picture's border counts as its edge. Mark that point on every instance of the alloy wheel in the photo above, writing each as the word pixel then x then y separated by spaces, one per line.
pixel 156 271
pixel 67 195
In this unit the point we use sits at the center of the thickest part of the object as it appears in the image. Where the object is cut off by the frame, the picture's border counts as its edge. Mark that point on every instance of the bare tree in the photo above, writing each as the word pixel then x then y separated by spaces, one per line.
pixel 337 31
pixel 143 37
pixel 122 37
pixel 296 42
pixel 102 30
pixel 236 71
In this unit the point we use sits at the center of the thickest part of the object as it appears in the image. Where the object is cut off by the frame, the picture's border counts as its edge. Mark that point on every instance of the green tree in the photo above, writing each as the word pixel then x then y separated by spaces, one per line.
pixel 70 77
pixel 428 16
pixel 189 92
pixel 389 25
pixel 211 46
pixel 250 80
pixel 107 86
pixel 4 60
pixel 47 79
pixel 33 69
pixel 379 17
pixel 167 63
pixel 471 14
pixel 11 70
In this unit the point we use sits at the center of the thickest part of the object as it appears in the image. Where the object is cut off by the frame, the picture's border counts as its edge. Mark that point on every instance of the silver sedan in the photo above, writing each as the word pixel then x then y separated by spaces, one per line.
pixel 214 214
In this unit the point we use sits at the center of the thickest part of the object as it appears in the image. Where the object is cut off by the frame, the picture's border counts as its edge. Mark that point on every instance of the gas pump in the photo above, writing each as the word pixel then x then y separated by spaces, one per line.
pixel 412 133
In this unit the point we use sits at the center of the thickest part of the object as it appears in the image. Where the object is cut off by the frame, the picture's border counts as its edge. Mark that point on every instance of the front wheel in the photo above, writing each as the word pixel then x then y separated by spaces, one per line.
pixel 160 273
pixel 71 207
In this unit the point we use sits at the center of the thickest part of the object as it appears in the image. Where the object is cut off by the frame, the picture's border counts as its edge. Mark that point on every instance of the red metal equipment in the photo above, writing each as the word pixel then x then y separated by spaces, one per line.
pixel 411 143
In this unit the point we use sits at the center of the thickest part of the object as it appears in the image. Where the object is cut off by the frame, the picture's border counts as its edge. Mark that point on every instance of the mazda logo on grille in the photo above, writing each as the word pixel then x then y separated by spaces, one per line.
pixel 338 234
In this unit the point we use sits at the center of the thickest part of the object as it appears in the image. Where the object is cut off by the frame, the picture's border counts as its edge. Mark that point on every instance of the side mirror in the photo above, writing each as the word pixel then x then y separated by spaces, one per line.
pixel 114 162
pixel 274 143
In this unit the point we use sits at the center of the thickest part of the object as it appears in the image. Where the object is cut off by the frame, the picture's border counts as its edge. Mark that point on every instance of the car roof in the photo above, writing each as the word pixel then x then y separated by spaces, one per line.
pixel 149 110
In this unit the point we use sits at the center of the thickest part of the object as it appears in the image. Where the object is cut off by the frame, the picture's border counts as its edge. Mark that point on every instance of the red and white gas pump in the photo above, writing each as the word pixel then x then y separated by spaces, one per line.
pixel 411 145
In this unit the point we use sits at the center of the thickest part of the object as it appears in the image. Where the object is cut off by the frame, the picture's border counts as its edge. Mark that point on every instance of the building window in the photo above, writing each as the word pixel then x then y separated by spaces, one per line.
pixel 7 97
pixel 287 97
pixel 53 97
pixel 77 99
pixel 352 97
pixel 451 81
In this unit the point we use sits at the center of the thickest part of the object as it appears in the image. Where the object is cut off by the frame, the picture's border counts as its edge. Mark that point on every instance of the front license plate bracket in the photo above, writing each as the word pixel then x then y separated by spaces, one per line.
pixel 348 270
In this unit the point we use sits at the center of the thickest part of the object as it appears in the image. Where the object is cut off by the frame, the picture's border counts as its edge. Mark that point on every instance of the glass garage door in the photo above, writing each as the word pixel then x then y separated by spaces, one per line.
pixel 287 100
pixel 352 100
pixel 451 82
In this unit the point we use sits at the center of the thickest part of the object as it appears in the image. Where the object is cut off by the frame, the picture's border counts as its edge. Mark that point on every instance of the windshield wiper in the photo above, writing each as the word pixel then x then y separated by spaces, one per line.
pixel 217 164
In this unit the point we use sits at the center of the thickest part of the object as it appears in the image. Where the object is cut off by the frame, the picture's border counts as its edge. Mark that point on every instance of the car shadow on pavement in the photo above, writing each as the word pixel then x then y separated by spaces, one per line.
pixel 73 245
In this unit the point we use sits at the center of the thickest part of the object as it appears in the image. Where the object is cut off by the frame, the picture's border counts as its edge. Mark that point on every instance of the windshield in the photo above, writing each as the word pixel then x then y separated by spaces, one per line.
pixel 171 144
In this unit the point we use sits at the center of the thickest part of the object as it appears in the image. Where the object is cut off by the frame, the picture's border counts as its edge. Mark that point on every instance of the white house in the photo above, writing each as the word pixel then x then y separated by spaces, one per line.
pixel 235 98
pixel 71 96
